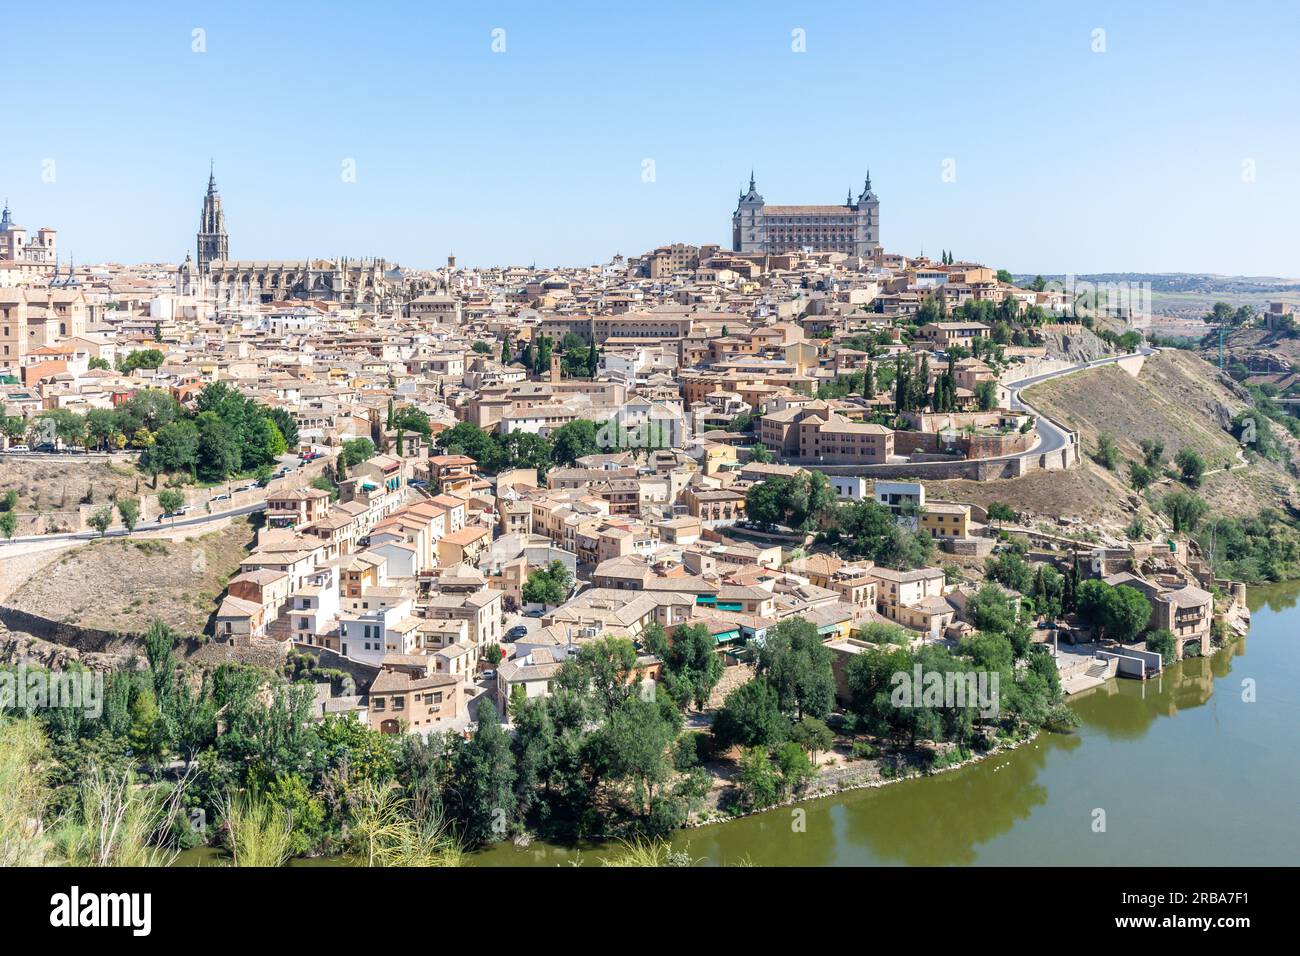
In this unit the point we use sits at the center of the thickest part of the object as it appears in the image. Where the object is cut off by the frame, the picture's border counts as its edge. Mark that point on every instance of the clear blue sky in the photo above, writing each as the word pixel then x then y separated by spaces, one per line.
pixel 1066 160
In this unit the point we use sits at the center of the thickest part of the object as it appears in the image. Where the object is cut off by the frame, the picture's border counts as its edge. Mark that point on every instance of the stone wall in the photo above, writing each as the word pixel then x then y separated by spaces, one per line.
pixel 269 654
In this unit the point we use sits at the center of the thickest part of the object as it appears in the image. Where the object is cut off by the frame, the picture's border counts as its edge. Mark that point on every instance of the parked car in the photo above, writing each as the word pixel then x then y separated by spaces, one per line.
pixel 19 448
pixel 220 497
pixel 518 630
pixel 489 674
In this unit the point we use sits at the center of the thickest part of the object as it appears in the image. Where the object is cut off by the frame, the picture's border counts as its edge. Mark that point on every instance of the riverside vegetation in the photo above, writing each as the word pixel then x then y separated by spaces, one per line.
pixel 231 757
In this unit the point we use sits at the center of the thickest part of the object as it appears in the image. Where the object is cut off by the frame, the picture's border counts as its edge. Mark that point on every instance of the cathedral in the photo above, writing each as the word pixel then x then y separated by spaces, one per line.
pixel 214 244
pixel 235 283
pixel 853 228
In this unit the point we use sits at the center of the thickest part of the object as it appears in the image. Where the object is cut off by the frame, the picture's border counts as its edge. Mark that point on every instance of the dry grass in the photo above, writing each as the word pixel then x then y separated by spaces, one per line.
pixel 121 584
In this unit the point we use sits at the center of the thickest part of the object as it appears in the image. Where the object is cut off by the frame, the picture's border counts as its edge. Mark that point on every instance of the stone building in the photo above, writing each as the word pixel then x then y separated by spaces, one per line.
pixel 16 246
pixel 853 228
pixel 233 284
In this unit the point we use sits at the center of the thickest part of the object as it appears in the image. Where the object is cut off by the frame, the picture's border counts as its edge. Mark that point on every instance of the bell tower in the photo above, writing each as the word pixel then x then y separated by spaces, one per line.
pixel 213 243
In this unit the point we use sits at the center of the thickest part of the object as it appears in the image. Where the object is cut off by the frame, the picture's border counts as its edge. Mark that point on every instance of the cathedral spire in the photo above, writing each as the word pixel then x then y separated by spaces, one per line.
pixel 213 242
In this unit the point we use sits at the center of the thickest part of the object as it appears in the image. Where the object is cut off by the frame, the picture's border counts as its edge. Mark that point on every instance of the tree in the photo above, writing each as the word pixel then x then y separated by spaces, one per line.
pixel 797 664
pixel 1004 277
pixel 171 501
pixel 602 669
pixel 8 523
pixel 691 666
pixel 801 501
pixel 412 419
pixel 633 746
pixel 1000 512
pixel 1153 452
pixel 991 611
pixel 485 777
pixel 1191 465
pixel 9 501
pixel 140 358
pixel 1128 614
pixel 175 448
pixel 466 438
pixel 101 426
pixel 1010 569
pixel 795 767
pixel 481 347
pixel 1139 475
pixel 865 529
pixel 129 510
pixel 813 736
pixel 1184 509
pixel 549 586
pixel 574 440
pixel 760 454
pixel 219 452
pixel 1162 642
pixel 759 783
pixel 286 424
pixel 751 716
pixel 1107 452
pixel 68 426
pixel 986 394
pixel 1121 613
pixel 101 519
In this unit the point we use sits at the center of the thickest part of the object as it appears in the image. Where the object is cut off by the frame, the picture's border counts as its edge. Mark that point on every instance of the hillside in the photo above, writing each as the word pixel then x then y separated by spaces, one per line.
pixel 57 483
pixel 1243 344
pixel 120 584
pixel 1177 399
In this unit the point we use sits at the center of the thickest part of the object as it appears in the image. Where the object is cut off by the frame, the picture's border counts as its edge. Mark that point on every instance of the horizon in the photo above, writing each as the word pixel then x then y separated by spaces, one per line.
pixel 429 143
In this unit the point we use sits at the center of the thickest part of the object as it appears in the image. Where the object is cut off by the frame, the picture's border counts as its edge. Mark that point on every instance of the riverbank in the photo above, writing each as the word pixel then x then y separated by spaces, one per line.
pixel 856 774
pixel 1183 753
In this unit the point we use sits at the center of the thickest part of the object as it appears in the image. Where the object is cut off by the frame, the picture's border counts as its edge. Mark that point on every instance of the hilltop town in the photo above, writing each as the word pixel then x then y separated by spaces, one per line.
pixel 760 479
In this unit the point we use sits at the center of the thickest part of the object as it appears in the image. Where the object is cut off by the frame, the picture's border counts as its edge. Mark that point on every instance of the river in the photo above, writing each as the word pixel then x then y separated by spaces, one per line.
pixel 1186 770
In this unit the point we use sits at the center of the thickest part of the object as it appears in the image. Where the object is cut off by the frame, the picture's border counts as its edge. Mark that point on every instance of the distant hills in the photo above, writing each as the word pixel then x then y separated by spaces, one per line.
pixel 1189 295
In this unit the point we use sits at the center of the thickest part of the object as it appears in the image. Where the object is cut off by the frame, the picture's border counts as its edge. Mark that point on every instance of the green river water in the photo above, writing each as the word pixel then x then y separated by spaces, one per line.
pixel 1186 771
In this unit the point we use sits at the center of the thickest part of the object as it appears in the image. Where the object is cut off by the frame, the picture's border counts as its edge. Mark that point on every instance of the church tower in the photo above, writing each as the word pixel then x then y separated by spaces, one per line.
pixel 866 233
pixel 748 225
pixel 212 240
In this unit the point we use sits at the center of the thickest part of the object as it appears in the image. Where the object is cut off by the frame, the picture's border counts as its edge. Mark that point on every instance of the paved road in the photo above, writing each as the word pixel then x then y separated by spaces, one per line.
pixel 1051 437
pixel 146 526
pixel 69 456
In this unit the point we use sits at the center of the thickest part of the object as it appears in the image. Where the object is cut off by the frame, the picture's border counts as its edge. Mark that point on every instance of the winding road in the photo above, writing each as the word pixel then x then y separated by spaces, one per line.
pixel 1051 436
pixel 15 543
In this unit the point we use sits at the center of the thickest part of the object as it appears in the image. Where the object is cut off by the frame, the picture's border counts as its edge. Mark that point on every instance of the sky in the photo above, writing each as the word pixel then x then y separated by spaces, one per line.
pixel 1012 134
